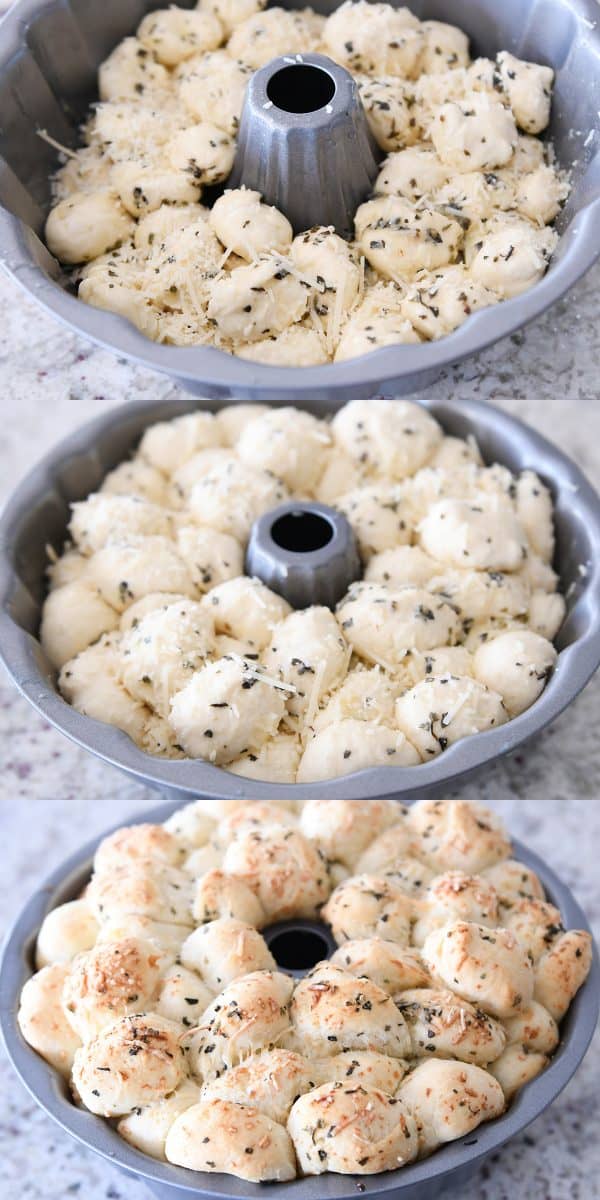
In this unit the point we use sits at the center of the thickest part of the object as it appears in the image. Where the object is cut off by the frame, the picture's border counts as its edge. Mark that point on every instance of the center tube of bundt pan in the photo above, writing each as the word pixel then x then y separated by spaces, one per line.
pixel 305 144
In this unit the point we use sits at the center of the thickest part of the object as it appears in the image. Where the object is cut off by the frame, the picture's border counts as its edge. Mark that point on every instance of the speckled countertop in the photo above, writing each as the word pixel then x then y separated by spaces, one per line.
pixel 53 795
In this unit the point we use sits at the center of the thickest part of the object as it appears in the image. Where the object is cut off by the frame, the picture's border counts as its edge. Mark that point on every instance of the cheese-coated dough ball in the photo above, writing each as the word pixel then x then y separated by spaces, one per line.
pixel 474 134
pixel 283 869
pixel 252 817
pixel 289 443
pixel 375 39
pixel 147 1128
pixel 212 88
pixel 164 935
pixel 131 72
pixel 218 1135
pixel 100 289
pixel 145 186
pixel 248 227
pixel 232 13
pixel 389 966
pixel 299 346
pixel 191 472
pixel 379 518
pixel 203 151
pixel 515 1067
pixel 224 950
pixel 442 709
pixel 377 321
pixel 541 194
pixel 167 445
pixel 438 302
pixel 233 418
pixel 133 1062
pixel 131 843
pixel 488 967
pixel 369 1131
pixel 528 88
pixel 86 225
pixel 182 996
pixel 246 609
pixel 135 478
pixel 152 229
pixel 562 970
pixel 537 923
pixel 132 616
pixel 108 982
pixel 256 300
pixel 276 761
pixel 333 1011
pixel 250 1015
pixel 143 888
pixel 390 850
pixel 347 746
pixel 456 896
pixel 225 708
pixel 476 195
pixel 192 825
pixel 133 567
pixel 65 932
pixel 211 557
pixel 70 566
pixel 513 879
pixel 274 33
pixel 399 239
pixel 366 906
pixel 534 510
pixel 413 172
pixel 485 535
pixel 482 594
pixel 309 653
pixel 343 828
pixel 161 653
pixel 327 262
pixel 533 1028
pixel 404 566
pixel 90 683
pixel 517 666
pixel 389 104
pixel 221 895
pixel 446 47
pixel 365 695
pixel 103 517
pixel 390 437
pixel 455 835
pixel 382 625
pixel 546 614
pixel 42 1020
pixel 174 34
pixel 73 617
pixel 443 1026
pixel 449 1100
pixel 512 256
pixel 270 1082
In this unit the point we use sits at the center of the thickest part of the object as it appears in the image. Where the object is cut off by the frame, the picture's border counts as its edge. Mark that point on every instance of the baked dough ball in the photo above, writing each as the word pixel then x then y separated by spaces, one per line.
pixel 309 653
pixel 270 1082
pixel 484 535
pixel 218 1135
pixel 131 843
pixel 510 255
pixel 517 666
pixel 166 936
pixel 389 104
pixel 457 836
pixel 147 1128
pixel 413 172
pixel 392 848
pixel 232 495
pixel 224 950
pixel 476 133
pixel 289 443
pixel 365 1067
pixel 253 301
pixel 456 896
pixel 133 1062
pixel 247 227
pixel 146 889
pixel 367 906
pixel 252 817
pixel 284 870
pixel 561 971
pixel 246 609
pixel 438 302
pixel 343 828
pixel 383 625
pixel 108 982
pixel 204 151
pixel 446 48
pixel 375 39
pixel 387 437
pixel 443 1026
pixel 399 239
pixel 90 683
pixel 163 651
pixel 65 932
pixel 515 1067
pixel 85 225
pixel 42 1020
pixel 333 1011
pixel 133 567
pixel 488 967
pixel 379 517
pixel 513 879
pixel 347 746
pixel 449 1100
pixel 167 445
pixel 250 1015
pixel 174 34
pixel 365 1131
pixel 528 89
pixel 221 895
pixel 533 1028
pixel 274 33
pixel 391 967
pixel 132 72
pixel 74 616
pixel 182 996
pixel 377 321
pixel 225 709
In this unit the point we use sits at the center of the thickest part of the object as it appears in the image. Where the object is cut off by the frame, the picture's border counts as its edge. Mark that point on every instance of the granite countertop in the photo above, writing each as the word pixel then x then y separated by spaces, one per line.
pixel 53 795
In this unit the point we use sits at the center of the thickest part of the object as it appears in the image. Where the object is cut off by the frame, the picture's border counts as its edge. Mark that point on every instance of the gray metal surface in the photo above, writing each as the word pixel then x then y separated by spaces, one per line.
pixel 450 1166
pixel 49 55
pixel 38 514
pixel 291 563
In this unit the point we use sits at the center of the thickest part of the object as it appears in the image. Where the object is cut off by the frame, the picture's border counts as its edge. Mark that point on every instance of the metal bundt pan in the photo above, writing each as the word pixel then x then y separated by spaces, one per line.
pixel 49 55
pixel 37 516
pixel 451 1166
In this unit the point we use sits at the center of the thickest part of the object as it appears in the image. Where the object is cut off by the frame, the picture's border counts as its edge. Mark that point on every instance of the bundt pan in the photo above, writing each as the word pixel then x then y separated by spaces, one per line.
pixel 49 55
pixel 37 516
pixel 449 1167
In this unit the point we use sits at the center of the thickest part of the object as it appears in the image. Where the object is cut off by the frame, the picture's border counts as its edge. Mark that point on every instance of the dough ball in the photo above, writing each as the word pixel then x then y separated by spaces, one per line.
pixel 328 263
pixel 517 666
pixel 536 923
pixel 147 1128
pixel 511 256
pixel 218 1135
pixel 269 1082
pixel 134 843
pixel 211 557
pixel 308 652
pixel 488 967
pixel 102 290
pixel 252 817
pixel 484 535
pixel 108 982
pixel 289 443
pixel 132 72
pixel 250 1015
pixel 374 39
pixel 247 227
pixel 225 709
pixel 391 967
pixel 284 869
pixel 133 567
pixel 164 649
pixel 388 853
pixel 133 1062
pixel 413 172
pixel 90 683
pixel 212 89
pixel 393 117
pixel 65 932
pixel 516 1067
pixel 73 617
pixel 535 512
pixel 540 194
pixel 364 1067
pixel 367 906
pixel 562 970
pixel 144 186
pixel 168 445
pixel 528 89
pixel 219 895
pixel 276 761
pixel 378 516
pixel 389 437
pixel 377 321
pixel 383 625
pixel 343 828
pixel 511 878
pixel 370 1131
pixel 442 709
pixel 232 13
pixel 146 889
pixel 174 34
pixel 399 239
pixel 348 746
pixel 135 478
pixel 274 33
pixel 482 594
pixel 299 346
pixel 256 300
pixel 103 517
pixel 446 47
pixel 182 996
pixel 246 609
pixel 166 936
pixel 546 614
pixel 439 302
pixel 449 1100
pixel 365 695
pixel 533 1028
pixel 404 566
pixel 476 195
pixel 456 896
pixel 332 1011
pixel 476 133
pixel 85 225
pixel 42 1020
pixel 224 950
pixel 203 151
pixel 455 835
pixel 443 1026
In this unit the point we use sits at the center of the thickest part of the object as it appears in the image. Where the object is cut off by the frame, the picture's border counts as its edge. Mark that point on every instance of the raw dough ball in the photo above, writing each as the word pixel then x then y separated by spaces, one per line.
pixel 484 534
pixel 276 761
pixel 534 510
pixel 108 982
pixel 368 1130
pixel 221 895
pixel 541 194
pixel 212 88
pixel 328 263
pixel 482 594
pixel 269 1082
pixel 476 133
pixel 85 225
pixel 488 967
pixel 517 665
pixel 257 300
pixel 216 1135
pixel 102 518
pixel 438 302
pixel 182 996
pixel 100 289
pixel 377 321
pixel 309 653
pixel 122 129
pixel 457 836
pixel 449 1100
pixel 391 112
pixel 298 346
pixel 224 950
pixel 132 72
pixel 384 963
pixel 413 172
pixel 133 567
pixel 442 709
pixel 333 1011
pixel 250 1015
pixel 283 869
pixel 367 906
pixel 232 13
pixel 233 418
pixel 246 609
pixel 528 88
pixel 203 151
pixel 378 516
pixel 144 186
pixel 274 33
pixel 399 239
pixel 443 1026
pixel 73 617
pixel 247 227
pixel 163 650
pixel 348 746
pixel 42 1020
pixel 446 47
pixel 510 255
pixel 211 557
pixel 404 566
pixel 388 437
pixel 90 683
pixel 147 1128
pixel 131 1063
pixel 174 34
pixel 383 625
pixel 476 195
pixel 135 478
pixel 546 614
pixel 375 39
pixel 225 709
pixel 365 695
pixel 65 932
pixel 168 445
pixel 289 443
